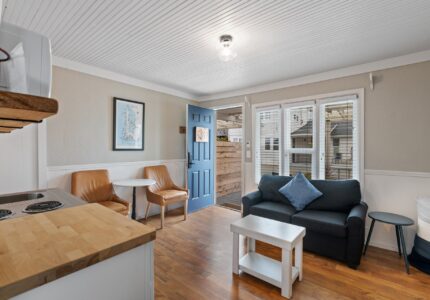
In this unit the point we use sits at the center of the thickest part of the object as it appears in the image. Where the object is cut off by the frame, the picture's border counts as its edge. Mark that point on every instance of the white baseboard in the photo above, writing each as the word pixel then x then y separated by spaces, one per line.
pixel 382 245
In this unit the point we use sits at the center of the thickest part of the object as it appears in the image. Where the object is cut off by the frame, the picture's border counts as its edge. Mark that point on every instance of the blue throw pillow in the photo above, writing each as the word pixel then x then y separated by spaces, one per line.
pixel 300 192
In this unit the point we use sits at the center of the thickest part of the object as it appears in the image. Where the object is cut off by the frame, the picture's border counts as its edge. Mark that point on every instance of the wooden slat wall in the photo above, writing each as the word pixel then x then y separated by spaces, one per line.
pixel 229 172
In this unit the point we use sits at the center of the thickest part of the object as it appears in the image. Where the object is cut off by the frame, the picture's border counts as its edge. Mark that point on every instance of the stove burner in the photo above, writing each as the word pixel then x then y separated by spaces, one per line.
pixel 5 213
pixel 42 206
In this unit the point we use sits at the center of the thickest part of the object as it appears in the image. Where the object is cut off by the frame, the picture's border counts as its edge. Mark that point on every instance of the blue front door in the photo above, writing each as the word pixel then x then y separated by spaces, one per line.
pixel 200 156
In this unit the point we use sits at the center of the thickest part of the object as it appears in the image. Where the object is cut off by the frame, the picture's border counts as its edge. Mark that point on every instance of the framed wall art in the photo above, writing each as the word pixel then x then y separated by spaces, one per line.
pixel 202 134
pixel 128 125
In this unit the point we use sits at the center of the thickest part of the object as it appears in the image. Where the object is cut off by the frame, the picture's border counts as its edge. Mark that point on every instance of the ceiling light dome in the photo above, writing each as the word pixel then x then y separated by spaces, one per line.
pixel 226 53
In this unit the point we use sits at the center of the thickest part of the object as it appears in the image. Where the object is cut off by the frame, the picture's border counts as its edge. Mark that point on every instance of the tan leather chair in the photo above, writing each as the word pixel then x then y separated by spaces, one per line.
pixel 164 192
pixel 95 187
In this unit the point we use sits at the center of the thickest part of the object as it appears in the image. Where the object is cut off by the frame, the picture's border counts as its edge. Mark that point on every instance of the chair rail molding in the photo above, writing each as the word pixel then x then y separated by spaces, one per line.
pixel 60 177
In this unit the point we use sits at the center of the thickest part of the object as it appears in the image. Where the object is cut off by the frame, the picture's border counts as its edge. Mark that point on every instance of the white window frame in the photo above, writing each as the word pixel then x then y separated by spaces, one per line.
pixel 256 136
pixel 321 98
pixel 288 150
pixel 356 132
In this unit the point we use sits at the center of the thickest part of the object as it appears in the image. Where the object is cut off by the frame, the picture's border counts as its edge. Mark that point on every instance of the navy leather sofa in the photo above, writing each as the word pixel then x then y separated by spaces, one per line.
pixel 334 222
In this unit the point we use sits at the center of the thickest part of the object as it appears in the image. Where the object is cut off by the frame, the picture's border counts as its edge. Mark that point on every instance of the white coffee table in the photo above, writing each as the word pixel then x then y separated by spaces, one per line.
pixel 283 235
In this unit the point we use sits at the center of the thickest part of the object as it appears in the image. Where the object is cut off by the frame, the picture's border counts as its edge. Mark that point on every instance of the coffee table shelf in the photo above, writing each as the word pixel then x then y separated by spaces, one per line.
pixel 265 268
pixel 286 236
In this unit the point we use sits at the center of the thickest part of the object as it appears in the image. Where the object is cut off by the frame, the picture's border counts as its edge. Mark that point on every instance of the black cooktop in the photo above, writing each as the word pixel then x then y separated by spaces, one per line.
pixel 42 206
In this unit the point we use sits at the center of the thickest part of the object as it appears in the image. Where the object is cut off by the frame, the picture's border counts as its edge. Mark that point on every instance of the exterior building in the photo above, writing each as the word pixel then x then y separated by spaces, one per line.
pixel 338 145
pixel 338 139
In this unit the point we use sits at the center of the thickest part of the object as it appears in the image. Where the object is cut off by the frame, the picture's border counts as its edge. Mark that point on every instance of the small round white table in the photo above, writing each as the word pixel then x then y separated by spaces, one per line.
pixel 134 183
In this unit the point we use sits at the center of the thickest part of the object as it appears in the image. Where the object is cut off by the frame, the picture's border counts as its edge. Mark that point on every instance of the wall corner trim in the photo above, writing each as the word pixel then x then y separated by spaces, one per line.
pixel 108 165
pixel 397 173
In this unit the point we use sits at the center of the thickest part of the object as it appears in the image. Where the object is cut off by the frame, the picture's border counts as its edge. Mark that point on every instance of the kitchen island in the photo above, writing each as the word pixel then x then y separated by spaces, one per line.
pixel 81 252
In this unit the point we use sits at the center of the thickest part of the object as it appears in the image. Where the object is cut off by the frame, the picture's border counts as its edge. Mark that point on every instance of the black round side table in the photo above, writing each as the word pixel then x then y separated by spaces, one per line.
pixel 398 221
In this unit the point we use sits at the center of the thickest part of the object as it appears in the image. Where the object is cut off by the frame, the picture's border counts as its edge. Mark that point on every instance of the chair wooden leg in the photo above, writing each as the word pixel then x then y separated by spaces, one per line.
pixel 148 205
pixel 185 210
pixel 162 217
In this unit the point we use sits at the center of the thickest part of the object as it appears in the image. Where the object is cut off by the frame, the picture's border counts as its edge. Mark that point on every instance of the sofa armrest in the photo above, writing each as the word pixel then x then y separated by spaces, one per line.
pixel 357 218
pixel 356 222
pixel 250 200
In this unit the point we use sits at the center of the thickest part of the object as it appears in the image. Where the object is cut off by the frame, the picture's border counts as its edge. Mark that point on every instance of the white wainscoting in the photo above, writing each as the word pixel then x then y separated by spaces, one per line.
pixel 391 191
pixel 384 190
pixel 60 177
pixel 396 192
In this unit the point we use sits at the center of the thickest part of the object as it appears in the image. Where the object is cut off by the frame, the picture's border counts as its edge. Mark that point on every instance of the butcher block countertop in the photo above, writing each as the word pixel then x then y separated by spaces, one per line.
pixel 40 248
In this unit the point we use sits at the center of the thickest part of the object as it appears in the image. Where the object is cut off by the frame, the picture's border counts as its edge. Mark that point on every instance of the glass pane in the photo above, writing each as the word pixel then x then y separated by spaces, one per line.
pixel 267 144
pixel 338 141
pixel 301 127
pixel 300 162
pixel 268 133
pixel 275 144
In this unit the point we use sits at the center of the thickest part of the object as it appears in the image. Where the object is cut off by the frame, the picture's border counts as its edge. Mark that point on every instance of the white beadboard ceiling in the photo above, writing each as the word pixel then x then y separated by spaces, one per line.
pixel 175 43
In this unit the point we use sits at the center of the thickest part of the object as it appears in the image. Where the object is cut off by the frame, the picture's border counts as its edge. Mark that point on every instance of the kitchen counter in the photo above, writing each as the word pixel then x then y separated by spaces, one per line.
pixel 41 248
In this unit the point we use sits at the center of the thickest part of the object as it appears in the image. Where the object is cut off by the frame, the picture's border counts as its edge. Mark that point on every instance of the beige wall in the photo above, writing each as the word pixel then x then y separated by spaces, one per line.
pixel 396 118
pixel 397 114
pixel 81 133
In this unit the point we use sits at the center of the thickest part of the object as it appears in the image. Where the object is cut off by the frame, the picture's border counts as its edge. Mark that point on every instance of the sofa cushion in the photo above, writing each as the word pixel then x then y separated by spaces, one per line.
pixel 324 222
pixel 338 195
pixel 300 192
pixel 269 187
pixel 273 210
pixel 173 195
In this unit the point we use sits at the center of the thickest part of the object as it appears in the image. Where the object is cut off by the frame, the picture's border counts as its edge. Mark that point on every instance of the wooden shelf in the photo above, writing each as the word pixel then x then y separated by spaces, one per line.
pixel 19 110
pixel 265 268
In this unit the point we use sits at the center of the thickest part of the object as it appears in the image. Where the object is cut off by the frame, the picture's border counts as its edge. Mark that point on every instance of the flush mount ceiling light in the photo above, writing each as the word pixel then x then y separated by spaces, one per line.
pixel 226 53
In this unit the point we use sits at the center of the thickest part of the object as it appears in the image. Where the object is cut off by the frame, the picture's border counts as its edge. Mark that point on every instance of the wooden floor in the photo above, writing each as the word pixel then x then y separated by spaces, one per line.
pixel 193 261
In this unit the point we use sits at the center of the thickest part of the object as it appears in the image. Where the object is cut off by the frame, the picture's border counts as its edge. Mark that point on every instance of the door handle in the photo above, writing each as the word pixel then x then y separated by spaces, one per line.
pixel 190 163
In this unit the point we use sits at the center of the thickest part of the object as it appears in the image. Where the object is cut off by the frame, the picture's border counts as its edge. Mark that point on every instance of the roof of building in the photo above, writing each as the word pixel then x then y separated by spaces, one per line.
pixel 304 130
pixel 338 128
pixel 341 128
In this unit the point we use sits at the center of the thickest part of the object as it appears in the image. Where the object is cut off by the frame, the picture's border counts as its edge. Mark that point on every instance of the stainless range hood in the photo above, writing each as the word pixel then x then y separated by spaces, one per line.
pixel 25 78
